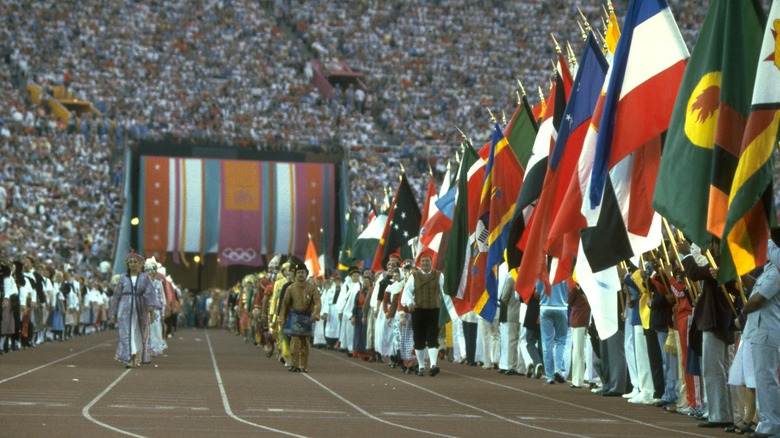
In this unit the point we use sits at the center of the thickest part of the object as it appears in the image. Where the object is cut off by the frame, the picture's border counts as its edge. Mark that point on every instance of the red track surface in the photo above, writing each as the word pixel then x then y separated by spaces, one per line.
pixel 211 383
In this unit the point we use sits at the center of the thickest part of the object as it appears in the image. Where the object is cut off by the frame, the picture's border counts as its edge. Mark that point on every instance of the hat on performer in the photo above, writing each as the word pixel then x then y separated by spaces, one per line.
pixel 151 264
pixel 301 267
pixel 368 274
pixel 394 258
pixel 275 260
pixel 408 264
pixel 354 271
pixel 427 252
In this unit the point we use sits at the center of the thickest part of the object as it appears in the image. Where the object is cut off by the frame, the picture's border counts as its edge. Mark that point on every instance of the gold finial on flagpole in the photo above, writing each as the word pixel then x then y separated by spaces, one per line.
pixel 465 138
pixel 519 99
pixel 402 169
pixel 503 117
pixel 492 117
pixel 584 20
pixel 601 40
pixel 570 53
pixel 557 47
pixel 541 93
pixel 522 89
pixel 606 14
pixel 430 170
pixel 582 31
pixel 610 7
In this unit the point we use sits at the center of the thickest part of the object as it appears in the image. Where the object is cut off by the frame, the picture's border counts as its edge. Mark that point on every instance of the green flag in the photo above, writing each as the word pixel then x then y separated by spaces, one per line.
pixel 346 260
pixel 457 247
pixel 704 138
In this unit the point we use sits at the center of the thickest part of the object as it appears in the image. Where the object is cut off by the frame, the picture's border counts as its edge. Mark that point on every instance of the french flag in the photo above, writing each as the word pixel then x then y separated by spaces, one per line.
pixel 646 71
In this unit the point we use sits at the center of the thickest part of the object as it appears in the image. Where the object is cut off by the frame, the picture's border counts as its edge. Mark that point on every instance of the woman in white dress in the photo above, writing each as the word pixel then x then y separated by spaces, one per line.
pixel 156 342
pixel 383 331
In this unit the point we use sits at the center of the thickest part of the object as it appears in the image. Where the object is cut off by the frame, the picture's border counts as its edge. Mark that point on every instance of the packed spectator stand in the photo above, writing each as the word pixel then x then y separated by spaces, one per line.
pixel 236 73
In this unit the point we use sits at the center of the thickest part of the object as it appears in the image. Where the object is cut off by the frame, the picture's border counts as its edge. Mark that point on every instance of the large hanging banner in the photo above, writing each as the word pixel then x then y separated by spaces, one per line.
pixel 240 210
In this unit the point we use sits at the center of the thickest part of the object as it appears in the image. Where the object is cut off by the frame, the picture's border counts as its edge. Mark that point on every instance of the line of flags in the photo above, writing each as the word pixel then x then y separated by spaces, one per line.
pixel 571 189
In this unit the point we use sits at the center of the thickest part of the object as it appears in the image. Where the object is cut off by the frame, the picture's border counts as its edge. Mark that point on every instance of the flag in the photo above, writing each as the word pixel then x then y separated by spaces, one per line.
pixel 429 209
pixel 750 201
pixel 536 169
pixel 324 259
pixel 706 130
pixel 521 130
pixel 503 178
pixel 312 259
pixel 367 242
pixel 430 198
pixel 441 220
pixel 403 225
pixel 612 35
pixel 562 165
pixel 346 258
pixel 456 259
pixel 527 139
pixel 648 65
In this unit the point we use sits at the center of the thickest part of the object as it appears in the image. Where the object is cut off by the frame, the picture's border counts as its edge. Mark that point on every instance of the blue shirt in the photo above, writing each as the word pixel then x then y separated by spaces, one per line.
pixel 558 295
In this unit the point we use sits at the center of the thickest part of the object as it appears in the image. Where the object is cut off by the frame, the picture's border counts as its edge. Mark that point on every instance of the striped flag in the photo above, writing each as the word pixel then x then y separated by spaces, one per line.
pixel 750 202
pixel 648 65
pixel 562 166
pixel 707 128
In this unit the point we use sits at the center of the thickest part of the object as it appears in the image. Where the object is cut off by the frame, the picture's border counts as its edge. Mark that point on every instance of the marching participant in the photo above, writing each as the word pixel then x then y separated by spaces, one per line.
pixel 133 296
pixel 422 296
pixel 301 303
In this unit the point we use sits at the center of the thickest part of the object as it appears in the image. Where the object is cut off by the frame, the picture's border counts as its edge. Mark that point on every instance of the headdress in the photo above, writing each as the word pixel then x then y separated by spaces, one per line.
pixel 135 256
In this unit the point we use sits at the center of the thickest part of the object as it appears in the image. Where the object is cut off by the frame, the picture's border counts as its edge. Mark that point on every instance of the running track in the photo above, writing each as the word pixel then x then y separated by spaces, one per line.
pixel 210 383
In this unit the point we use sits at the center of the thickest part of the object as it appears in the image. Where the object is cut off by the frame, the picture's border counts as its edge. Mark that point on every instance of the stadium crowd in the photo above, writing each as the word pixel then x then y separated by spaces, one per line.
pixel 237 72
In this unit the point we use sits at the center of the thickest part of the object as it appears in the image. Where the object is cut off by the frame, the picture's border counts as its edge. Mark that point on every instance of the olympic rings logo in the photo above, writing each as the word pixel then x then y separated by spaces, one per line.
pixel 239 254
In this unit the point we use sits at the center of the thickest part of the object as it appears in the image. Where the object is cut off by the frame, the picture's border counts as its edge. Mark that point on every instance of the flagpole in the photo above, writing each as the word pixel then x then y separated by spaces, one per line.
pixel 671 269
pixel 693 293
pixel 584 20
pixel 723 287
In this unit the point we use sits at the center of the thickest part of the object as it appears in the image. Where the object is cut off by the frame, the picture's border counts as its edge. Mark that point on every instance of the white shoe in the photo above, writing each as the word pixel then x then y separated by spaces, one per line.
pixel 652 401
pixel 631 394
pixel 640 398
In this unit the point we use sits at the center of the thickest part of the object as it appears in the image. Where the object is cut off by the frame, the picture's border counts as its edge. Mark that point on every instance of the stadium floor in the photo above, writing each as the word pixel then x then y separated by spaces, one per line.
pixel 210 383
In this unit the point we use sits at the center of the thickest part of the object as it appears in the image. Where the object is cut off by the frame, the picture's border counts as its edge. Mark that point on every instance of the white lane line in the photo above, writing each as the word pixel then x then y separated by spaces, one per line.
pixel 44 404
pixel 417 414
pixel 478 409
pixel 85 410
pixel 631 420
pixel 226 403
pixel 7 379
pixel 159 407
pixel 367 414
pixel 297 411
